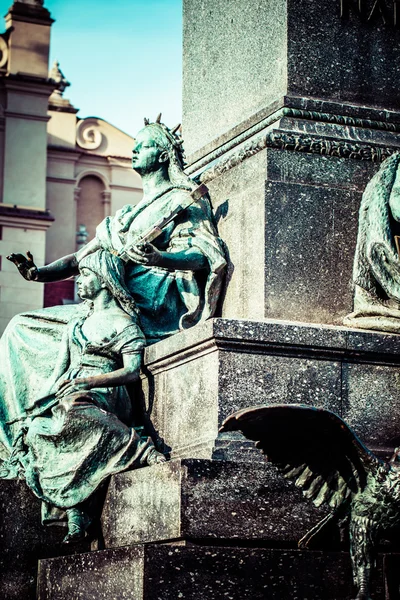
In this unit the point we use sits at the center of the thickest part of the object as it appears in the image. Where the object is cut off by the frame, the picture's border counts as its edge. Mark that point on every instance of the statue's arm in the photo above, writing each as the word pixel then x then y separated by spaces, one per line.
pixel 127 374
pixel 65 267
pixel 190 259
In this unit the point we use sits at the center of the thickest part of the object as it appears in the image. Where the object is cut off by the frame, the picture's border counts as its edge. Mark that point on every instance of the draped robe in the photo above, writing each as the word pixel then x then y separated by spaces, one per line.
pixel 169 301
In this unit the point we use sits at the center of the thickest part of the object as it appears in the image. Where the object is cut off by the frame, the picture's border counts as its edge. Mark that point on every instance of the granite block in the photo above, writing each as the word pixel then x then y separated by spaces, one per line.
pixel 383 346
pixel 250 56
pixel 24 540
pixel 182 406
pixel 342 59
pixel 188 403
pixel 105 575
pixel 250 379
pixel 310 169
pixel 371 403
pixel 195 379
pixel 290 221
pixel 238 55
pixel 206 500
pixel 168 572
pixel 239 203
pixel 311 233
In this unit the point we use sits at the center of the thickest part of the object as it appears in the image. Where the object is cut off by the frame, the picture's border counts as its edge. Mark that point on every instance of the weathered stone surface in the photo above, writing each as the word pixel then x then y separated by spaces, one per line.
pixel 371 402
pixel 310 238
pixel 205 500
pixel 289 220
pixel 168 572
pixel 247 59
pixel 233 44
pixel 24 540
pixel 106 575
pixel 197 378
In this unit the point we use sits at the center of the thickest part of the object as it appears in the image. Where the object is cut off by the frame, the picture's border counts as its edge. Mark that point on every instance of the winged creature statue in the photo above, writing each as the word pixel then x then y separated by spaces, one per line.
pixel 317 450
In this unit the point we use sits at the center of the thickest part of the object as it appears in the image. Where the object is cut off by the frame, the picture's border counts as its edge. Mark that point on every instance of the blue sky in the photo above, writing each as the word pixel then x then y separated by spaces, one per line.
pixel 123 58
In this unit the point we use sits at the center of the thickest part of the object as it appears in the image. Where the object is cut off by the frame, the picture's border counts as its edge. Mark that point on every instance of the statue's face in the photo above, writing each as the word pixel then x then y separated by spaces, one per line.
pixel 88 284
pixel 147 156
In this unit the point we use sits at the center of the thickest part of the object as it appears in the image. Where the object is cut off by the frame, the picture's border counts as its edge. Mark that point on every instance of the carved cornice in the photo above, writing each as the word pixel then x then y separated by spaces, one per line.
pixel 328 146
pixel 342 120
pixel 298 143
pixel 293 113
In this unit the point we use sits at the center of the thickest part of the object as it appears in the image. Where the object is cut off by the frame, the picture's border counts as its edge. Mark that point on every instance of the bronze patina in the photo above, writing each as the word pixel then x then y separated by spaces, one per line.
pixel 315 449
pixel 152 270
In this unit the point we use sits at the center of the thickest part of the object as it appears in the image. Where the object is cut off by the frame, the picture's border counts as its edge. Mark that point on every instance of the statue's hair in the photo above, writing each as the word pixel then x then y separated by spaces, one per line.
pixel 167 139
pixel 111 270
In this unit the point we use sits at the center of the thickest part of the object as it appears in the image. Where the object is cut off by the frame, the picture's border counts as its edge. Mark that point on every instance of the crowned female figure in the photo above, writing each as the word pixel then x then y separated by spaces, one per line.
pixel 175 281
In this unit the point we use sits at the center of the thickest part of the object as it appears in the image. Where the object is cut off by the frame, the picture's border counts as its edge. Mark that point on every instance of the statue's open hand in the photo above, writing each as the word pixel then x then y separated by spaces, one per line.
pixel 146 254
pixel 25 265
pixel 72 386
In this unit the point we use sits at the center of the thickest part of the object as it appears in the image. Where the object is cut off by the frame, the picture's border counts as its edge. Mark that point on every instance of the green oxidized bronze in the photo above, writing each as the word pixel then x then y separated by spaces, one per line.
pixel 315 449
pixel 65 415
pixel 376 271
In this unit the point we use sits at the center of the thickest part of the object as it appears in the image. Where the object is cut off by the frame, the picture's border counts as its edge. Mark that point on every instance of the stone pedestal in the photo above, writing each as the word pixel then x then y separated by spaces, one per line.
pixel 240 62
pixel 206 501
pixel 24 540
pixel 198 378
pixel 169 572
pixel 292 121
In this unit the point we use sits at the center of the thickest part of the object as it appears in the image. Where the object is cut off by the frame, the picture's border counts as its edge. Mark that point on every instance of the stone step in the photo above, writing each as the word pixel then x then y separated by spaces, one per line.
pixel 205 500
pixel 172 572
pixel 24 540
pixel 194 380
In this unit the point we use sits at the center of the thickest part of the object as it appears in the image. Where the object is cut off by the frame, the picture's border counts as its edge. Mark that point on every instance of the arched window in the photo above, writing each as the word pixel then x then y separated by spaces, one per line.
pixel 90 205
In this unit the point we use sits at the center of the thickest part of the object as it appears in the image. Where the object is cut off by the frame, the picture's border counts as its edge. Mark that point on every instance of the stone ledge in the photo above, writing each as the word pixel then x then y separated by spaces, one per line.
pixel 273 336
pixel 169 572
pixel 212 501
pixel 194 380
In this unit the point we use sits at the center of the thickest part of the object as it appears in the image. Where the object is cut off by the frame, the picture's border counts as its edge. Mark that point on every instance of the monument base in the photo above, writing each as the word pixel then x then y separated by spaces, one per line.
pixel 195 379
pixel 206 501
pixel 170 571
pixel 24 540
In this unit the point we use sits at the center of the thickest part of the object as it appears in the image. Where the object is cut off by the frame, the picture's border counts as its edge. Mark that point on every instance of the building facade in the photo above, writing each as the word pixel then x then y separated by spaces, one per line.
pixel 60 175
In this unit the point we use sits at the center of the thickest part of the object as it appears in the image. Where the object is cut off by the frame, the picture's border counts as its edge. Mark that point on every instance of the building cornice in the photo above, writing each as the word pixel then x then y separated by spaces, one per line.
pixel 25 217
pixel 26 116
pixel 29 84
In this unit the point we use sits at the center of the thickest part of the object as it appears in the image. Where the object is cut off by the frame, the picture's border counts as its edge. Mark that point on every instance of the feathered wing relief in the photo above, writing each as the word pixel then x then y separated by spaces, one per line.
pixel 312 447
pixel 323 457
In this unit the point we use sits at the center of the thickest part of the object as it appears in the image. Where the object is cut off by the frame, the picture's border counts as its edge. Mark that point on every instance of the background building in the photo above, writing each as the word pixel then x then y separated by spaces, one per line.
pixel 59 174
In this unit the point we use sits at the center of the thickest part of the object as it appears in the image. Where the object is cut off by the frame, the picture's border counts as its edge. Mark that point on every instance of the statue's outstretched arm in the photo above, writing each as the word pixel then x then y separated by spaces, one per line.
pixel 63 268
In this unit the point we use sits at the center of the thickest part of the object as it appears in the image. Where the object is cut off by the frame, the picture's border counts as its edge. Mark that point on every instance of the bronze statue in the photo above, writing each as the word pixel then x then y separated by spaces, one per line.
pixel 80 434
pixel 376 272
pixel 174 283
pixel 317 450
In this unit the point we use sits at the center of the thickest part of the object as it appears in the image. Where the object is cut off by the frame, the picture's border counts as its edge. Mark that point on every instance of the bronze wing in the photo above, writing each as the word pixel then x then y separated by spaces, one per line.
pixel 311 446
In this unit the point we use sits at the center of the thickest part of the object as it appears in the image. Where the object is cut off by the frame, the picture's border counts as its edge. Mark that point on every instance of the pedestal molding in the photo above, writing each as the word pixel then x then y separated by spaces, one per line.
pixel 215 334
pixel 296 113
pixel 297 142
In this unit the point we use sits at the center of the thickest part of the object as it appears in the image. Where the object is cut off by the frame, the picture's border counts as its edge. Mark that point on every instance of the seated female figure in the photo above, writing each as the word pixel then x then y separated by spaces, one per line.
pixel 82 435
pixel 175 281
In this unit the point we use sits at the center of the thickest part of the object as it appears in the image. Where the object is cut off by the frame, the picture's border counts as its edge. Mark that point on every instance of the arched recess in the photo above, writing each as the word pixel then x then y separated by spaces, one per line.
pixel 92 201
pixel 94 173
